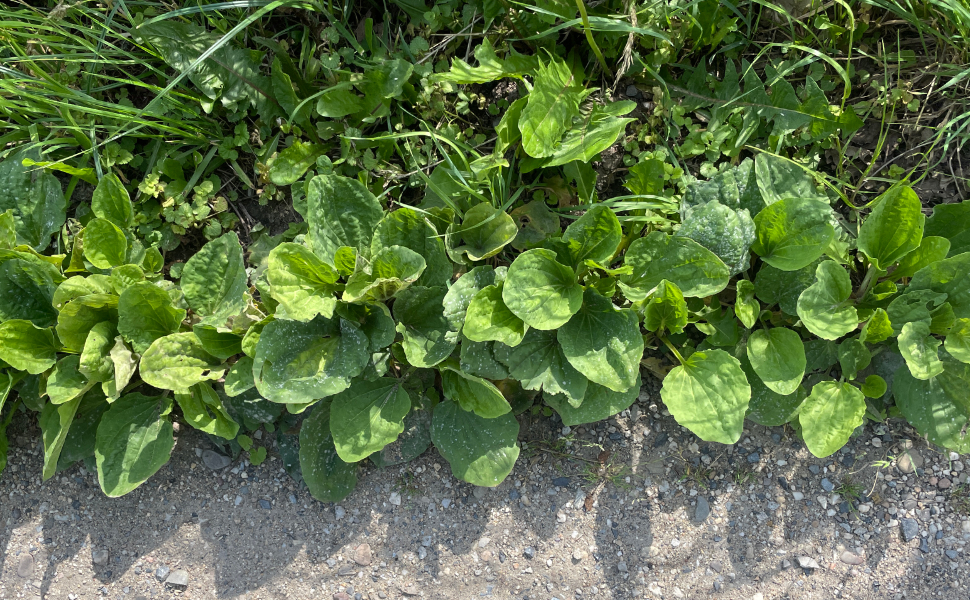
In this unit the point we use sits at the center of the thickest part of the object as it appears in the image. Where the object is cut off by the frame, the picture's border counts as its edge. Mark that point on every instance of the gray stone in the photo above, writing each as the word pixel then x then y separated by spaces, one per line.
pixel 910 529
pixel 395 499
pixel 632 91
pixel 178 579
pixel 99 557
pixel 161 573
pixel 561 482
pixel 26 566
pixel 952 554
pixel 265 504
pixel 339 512
pixel 827 485
pixel 622 568
pixel 806 562
pixel 529 552
pixel 716 566
pixel 909 461
pixel 702 510
pixel 850 558
pixel 480 492
pixel 215 461
pixel 924 546
pixel 754 457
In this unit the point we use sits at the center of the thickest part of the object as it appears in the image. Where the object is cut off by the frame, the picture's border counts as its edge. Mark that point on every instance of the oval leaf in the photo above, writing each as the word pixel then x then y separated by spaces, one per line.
pixel 214 280
pixel 480 451
pixel 823 306
pixel 697 271
pixel 328 478
pixel 894 228
pixel 541 291
pixel 777 355
pixel 134 441
pixel 793 233
pixel 709 395
pixel 830 415
pixel 367 416
pixel 304 285
pixel 177 362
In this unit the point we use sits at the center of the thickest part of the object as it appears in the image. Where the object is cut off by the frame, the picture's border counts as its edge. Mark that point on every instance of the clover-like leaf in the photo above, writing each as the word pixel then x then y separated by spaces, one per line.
pixel 777 355
pixel 301 282
pixel 327 476
pixel 603 342
pixel 134 441
pixel 697 271
pixel 368 416
pixel 829 416
pixel 792 233
pixel 480 451
pixel 823 306
pixel 177 362
pixel 541 291
pixel 214 280
pixel 894 228
pixel 709 395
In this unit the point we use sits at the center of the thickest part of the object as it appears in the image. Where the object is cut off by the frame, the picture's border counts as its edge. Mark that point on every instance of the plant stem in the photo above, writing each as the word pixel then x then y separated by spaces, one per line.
pixel 671 348
pixel 581 5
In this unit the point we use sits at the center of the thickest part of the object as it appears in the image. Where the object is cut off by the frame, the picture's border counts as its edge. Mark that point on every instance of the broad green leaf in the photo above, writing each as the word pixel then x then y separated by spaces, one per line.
pixel 408 228
pixel 472 393
pixel 412 443
pixel 202 409
pixel 345 261
pixel 694 269
pixel 214 280
pixel 878 328
pixel 820 354
pixel 767 407
pixel 428 338
pixel 539 362
pixel 145 313
pixel 535 223
pixel 480 451
pixel 735 188
pixel 746 307
pixel 665 310
pixel 774 286
pixel 95 362
pixel 221 344
pixel 853 357
pixel 478 359
pixel 368 416
pixel 294 161
pixel 83 433
pixel 951 277
pixel 721 328
pixel 599 404
pixel 55 422
pixel 594 236
pixel 488 319
pixel 328 478
pixel 793 233
pixel 958 340
pixel 777 355
pixel 134 441
pixel 490 66
pixel 483 232
pixel 894 228
pixel 374 321
pixel 553 104
pixel 8 230
pixel 920 350
pixel 392 270
pixel 931 249
pixel 65 383
pixel 341 212
pixel 338 102
pixel 461 293
pixel 177 362
pixel 823 307
pixel 125 362
pixel 111 201
pixel 779 178
pixel 541 291
pixel 726 232
pixel 78 316
pixel 951 221
pixel 599 129
pixel 603 342
pixel 76 287
pixel 35 198
pixel 26 347
pixel 239 378
pixel 914 306
pixel 125 276
pixel 105 245
pixel 304 285
pixel 302 362
pixel 829 416
pixel 27 292
pixel 874 387
pixel 709 395
pixel 936 407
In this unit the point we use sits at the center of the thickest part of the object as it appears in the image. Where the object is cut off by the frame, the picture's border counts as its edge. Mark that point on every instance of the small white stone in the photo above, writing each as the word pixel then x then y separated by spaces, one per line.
pixel 395 499
pixel 798 496
pixel 675 542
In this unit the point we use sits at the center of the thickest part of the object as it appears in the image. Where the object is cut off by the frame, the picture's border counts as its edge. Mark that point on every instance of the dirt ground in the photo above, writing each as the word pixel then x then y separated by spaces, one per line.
pixel 635 507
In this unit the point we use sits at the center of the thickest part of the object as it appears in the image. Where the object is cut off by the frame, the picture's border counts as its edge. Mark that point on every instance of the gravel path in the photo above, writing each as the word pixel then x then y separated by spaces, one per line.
pixel 635 507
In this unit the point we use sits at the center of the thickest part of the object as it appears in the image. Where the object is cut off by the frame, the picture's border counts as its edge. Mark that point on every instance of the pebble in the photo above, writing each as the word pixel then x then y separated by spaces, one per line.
pixel 578 555
pixel 15 513
pixel 798 496
pixel 806 562
pixel 561 482
pixel 560 517
pixel 178 579
pixel 815 469
pixel 529 552
pixel 362 555
pixel 484 542
pixel 632 91
pixel 703 510
pixel 621 567
pixel 850 558
pixel 944 484
pixel 341 596
pixel 445 503
pixel 952 554
pixel 339 512
pixel 924 546
pixel 716 566
pixel 395 499
pixel 26 566
pixel 162 572
pixel 827 485
pixel 909 461
pixel 910 529
pixel 754 457
pixel 99 557
pixel 265 504
pixel 215 461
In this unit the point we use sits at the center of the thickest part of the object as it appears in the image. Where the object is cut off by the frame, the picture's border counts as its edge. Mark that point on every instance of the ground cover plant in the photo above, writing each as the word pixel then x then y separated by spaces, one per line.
pixel 367 230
